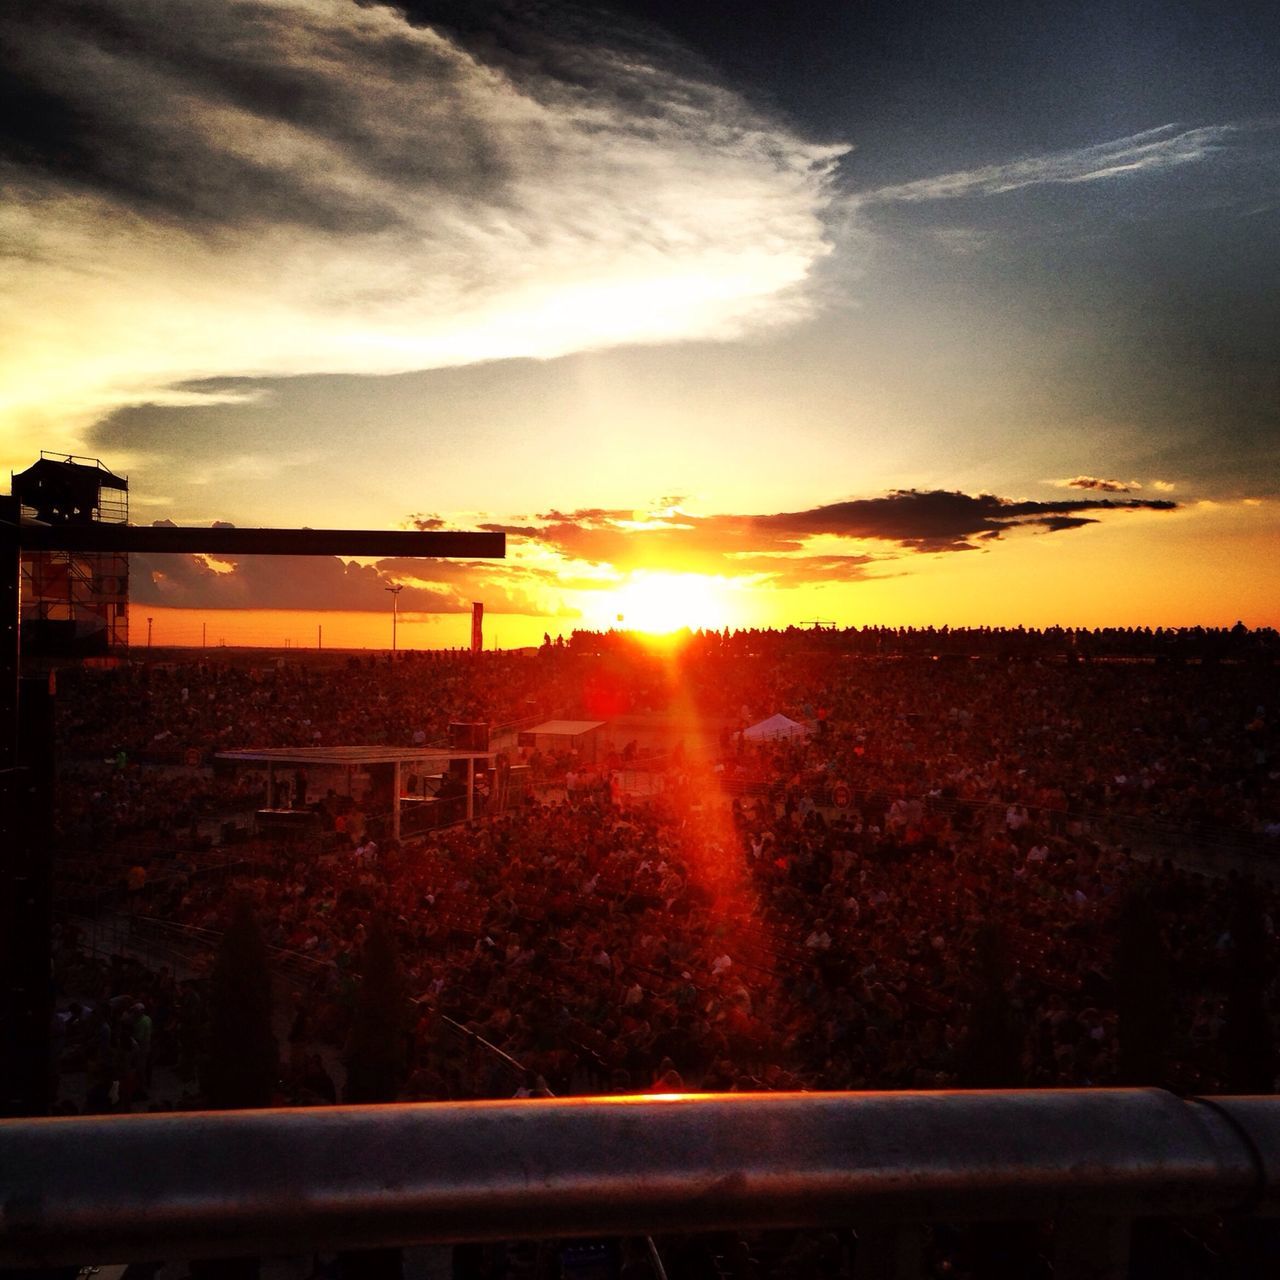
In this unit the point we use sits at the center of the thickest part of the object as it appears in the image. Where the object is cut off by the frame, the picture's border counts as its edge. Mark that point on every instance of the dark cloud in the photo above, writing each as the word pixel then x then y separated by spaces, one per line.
pixel 1056 524
pixel 776 549
pixel 102 96
pixel 517 530
pixel 1102 486
pixel 939 519
pixel 271 582
pixel 775 545
pixel 424 522
pixel 321 583
pixel 324 583
pixel 590 516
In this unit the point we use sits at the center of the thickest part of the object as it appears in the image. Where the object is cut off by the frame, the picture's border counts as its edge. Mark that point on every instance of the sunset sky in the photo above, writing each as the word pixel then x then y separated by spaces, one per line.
pixel 728 313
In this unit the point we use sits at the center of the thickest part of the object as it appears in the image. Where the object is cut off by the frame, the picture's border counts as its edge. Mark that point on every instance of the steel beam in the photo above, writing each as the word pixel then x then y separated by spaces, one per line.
pixel 165 540
pixel 207 1184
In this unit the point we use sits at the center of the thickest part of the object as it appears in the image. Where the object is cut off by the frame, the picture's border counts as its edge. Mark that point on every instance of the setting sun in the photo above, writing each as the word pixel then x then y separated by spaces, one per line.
pixel 664 602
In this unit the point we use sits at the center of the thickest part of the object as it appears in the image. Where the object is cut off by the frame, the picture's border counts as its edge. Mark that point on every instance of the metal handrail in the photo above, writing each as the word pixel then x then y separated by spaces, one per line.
pixel 210 1184
pixel 655 1258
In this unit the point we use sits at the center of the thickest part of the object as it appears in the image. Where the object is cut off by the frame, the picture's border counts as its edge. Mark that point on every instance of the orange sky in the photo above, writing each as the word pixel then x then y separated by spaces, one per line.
pixel 1216 566
pixel 983 337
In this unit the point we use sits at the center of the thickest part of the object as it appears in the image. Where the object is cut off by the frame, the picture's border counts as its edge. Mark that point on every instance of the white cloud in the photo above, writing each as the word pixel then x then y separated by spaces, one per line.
pixel 1150 151
pixel 277 187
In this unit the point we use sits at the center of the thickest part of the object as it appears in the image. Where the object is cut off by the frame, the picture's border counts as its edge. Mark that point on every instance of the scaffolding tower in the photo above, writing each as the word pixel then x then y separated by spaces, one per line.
pixel 74 602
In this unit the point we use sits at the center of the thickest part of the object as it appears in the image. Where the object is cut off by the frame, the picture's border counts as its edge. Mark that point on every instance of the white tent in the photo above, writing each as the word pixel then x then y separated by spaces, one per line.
pixel 775 727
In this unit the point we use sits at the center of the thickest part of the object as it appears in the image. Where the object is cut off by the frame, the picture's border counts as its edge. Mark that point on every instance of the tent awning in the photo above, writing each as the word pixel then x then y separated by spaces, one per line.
pixel 778 726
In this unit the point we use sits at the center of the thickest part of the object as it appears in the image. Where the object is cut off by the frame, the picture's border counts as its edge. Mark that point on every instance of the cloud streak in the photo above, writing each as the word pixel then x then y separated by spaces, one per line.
pixel 787 547
pixel 327 583
pixel 1152 151
pixel 277 187
pixel 945 520
pixel 594 549
pixel 1099 484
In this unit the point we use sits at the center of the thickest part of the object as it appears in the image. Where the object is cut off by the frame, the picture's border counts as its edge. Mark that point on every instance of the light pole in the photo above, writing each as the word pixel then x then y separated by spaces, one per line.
pixel 395 613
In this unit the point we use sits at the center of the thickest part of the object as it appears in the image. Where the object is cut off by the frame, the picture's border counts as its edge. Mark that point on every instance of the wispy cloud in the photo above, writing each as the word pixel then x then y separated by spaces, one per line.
pixel 1099 484
pixel 277 187
pixel 1151 151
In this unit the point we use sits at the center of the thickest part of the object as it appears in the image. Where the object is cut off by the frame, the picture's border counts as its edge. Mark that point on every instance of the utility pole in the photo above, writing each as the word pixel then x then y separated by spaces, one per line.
pixel 149 620
pixel 395 612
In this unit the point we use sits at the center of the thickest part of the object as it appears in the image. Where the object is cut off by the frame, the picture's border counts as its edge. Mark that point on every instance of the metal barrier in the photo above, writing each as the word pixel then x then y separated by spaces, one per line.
pixel 212 1184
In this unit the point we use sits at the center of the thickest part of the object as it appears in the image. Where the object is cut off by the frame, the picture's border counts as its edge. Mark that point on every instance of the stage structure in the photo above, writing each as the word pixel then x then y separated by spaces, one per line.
pixel 26 730
pixel 578 737
pixel 416 781
pixel 74 602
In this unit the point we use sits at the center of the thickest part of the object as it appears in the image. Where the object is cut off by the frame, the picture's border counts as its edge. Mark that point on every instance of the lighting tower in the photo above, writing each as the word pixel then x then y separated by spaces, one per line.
pixel 395 612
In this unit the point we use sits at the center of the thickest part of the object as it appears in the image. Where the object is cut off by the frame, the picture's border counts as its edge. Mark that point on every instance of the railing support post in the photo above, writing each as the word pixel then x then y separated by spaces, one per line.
pixel 1091 1248
pixel 889 1253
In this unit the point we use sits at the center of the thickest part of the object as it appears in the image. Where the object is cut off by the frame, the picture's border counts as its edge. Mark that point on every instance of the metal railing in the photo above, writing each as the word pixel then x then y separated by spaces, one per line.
pixel 210 1184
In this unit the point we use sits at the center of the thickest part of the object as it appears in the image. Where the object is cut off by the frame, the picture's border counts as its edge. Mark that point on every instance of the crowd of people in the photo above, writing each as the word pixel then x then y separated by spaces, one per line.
pixel 1177 737
pixel 924 889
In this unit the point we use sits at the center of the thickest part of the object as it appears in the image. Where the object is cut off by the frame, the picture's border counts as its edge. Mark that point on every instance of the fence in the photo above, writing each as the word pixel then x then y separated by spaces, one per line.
pixel 147 1186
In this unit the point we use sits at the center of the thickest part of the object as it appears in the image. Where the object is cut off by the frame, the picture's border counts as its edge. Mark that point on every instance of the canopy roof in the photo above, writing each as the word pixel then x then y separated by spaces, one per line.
pixel 566 728
pixel 350 755
pixel 777 726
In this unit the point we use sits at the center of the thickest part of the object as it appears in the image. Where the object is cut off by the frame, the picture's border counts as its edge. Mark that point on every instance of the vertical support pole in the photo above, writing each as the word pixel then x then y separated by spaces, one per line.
pixel 1091 1248
pixel 26 892
pixel 395 812
pixel 271 785
pixel 889 1253
pixel 10 629
pixel 471 787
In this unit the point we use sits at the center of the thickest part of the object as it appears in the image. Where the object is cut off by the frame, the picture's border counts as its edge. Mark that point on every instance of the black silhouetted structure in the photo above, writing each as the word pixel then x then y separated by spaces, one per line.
pixel 74 602
pixel 62 520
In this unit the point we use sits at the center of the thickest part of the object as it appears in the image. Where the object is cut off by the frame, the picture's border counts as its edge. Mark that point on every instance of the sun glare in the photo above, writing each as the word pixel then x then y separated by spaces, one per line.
pixel 660 603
